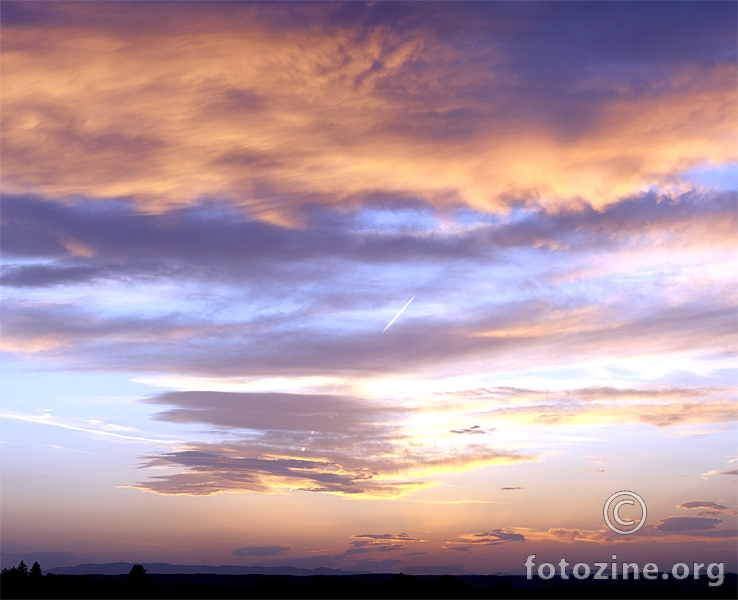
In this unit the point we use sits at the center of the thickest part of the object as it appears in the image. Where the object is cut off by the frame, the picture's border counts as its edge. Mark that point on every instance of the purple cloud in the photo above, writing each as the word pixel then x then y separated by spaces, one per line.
pixel 713 505
pixel 327 444
pixel 474 430
pixel 687 524
pixel 495 537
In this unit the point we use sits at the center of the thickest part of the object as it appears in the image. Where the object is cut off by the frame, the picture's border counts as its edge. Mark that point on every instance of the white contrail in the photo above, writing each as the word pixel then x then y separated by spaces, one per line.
pixel 43 420
pixel 398 314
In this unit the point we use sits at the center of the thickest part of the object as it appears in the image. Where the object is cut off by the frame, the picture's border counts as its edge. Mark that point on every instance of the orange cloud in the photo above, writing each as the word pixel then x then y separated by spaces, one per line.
pixel 215 469
pixel 664 407
pixel 236 107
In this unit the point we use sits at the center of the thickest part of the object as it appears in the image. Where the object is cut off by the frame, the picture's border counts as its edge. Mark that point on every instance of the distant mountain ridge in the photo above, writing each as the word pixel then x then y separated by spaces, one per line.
pixel 122 568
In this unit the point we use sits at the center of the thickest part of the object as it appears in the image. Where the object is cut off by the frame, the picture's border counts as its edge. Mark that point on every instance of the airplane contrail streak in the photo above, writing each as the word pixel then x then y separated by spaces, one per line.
pixel 46 421
pixel 398 314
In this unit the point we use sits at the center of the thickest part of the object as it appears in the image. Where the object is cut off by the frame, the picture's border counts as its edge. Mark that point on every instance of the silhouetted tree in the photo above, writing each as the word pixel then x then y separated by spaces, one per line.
pixel 137 575
pixel 36 571
pixel 16 577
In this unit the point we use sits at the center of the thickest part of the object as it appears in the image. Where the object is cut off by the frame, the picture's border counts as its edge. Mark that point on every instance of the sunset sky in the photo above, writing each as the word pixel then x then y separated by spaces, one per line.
pixel 212 211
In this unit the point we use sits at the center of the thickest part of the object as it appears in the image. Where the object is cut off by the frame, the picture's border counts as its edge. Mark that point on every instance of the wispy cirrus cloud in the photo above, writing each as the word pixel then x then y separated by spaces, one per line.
pixel 687 524
pixel 720 472
pixel 251 265
pixel 380 542
pixel 114 239
pixel 473 430
pixel 710 505
pixel 664 407
pixel 495 537
pixel 565 534
pixel 382 538
pixel 297 340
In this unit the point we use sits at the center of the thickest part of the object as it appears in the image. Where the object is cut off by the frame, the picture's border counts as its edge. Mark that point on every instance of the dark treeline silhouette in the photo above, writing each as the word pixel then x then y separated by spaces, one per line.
pixel 18 582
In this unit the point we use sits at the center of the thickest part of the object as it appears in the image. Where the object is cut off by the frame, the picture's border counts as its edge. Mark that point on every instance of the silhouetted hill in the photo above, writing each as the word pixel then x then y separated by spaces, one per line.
pixel 122 568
